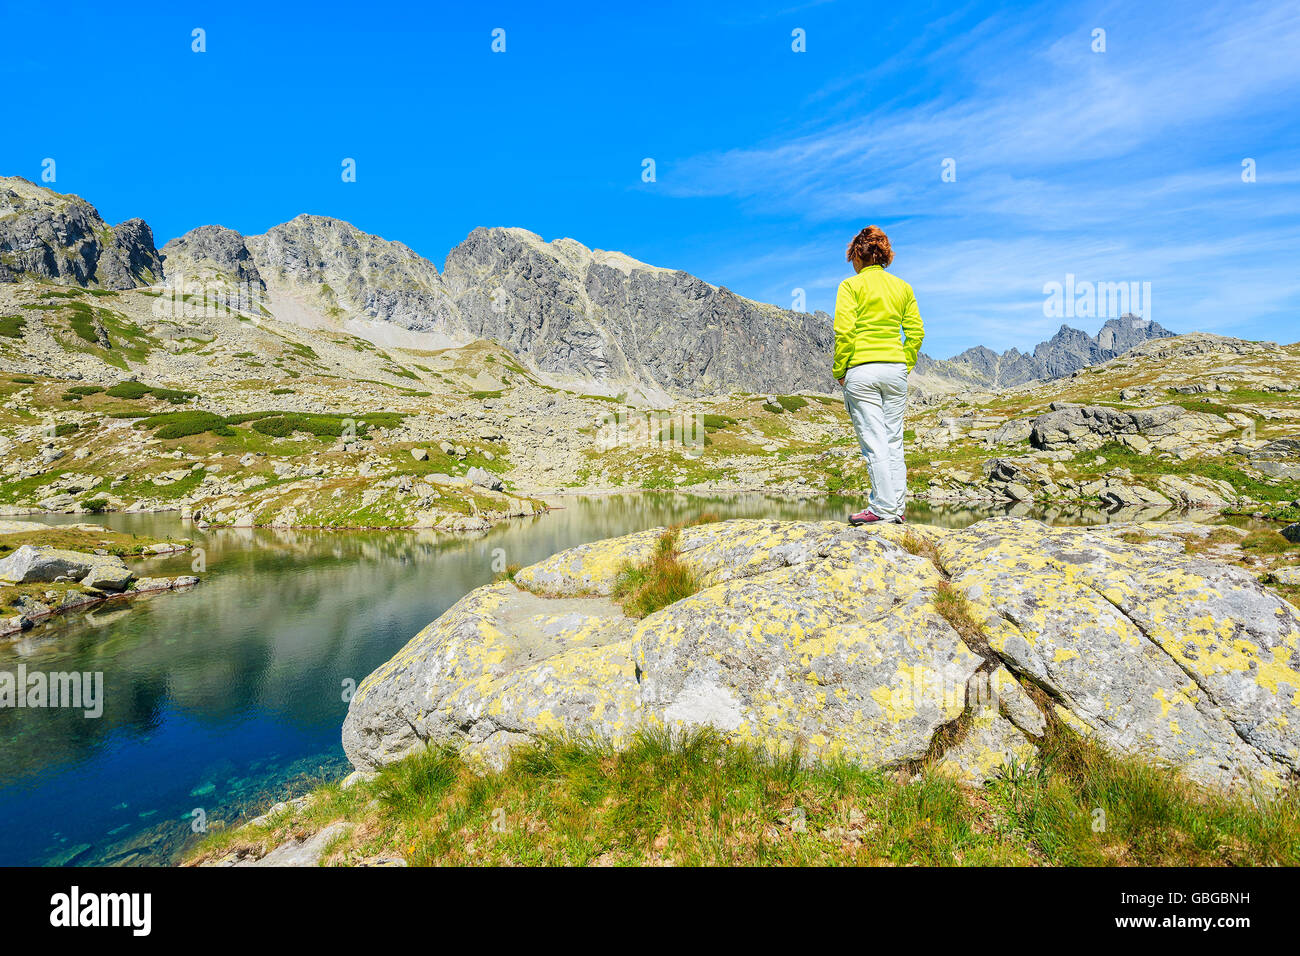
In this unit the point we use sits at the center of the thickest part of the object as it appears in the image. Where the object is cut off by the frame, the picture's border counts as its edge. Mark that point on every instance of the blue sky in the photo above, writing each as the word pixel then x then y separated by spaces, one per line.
pixel 1115 166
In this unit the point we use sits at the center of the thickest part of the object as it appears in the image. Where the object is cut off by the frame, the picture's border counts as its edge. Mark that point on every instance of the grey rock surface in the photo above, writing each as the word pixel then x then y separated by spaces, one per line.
pixel 107 577
pixel 211 253
pixel 814 632
pixel 574 311
pixel 333 265
pixel 35 563
pixel 306 852
pixel 1165 426
pixel 61 238
pixel 485 478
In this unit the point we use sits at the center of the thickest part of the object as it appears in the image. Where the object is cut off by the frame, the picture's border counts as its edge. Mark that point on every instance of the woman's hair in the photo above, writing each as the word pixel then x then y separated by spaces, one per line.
pixel 871 245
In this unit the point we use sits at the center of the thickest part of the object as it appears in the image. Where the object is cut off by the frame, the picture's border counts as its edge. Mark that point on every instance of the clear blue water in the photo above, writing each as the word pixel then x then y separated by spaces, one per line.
pixel 229 697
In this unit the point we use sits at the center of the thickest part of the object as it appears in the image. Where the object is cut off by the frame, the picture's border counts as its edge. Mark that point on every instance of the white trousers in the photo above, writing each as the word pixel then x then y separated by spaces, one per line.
pixel 875 394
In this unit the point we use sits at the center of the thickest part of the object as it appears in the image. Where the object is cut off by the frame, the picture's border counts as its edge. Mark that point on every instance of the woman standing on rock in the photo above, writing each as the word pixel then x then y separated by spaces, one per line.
pixel 871 363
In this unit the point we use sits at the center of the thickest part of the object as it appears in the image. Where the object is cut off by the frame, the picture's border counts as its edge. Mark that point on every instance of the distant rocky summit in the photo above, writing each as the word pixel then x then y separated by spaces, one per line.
pixel 582 314
pixel 569 311
pixel 846 643
pixel 212 254
pixel 604 315
pixel 340 270
pixel 48 236
pixel 1063 354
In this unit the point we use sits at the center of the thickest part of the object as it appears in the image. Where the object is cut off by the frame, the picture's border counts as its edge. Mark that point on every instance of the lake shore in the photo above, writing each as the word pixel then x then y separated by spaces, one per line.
pixel 448 796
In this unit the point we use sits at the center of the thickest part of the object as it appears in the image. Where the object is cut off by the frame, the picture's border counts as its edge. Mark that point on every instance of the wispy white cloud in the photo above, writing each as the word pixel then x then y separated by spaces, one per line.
pixel 1113 166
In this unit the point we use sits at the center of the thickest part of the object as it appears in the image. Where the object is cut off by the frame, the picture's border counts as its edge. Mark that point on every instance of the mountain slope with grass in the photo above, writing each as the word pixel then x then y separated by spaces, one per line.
pixel 148 400
pixel 258 393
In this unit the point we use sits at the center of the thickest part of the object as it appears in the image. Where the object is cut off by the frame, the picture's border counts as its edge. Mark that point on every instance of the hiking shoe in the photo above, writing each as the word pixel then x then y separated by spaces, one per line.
pixel 865 516
pixel 900 520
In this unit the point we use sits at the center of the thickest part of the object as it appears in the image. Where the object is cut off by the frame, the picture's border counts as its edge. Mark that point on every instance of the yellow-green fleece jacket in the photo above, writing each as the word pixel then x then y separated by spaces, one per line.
pixel 870 309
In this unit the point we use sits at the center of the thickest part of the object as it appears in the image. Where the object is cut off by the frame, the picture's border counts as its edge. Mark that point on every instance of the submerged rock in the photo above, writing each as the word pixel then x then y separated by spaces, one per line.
pixel 832 638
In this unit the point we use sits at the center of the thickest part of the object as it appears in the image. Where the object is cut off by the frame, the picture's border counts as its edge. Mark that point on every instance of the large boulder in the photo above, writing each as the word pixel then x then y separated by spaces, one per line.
pixel 1151 652
pixel 108 577
pixel 31 563
pixel 484 478
pixel 1197 491
pixel 843 642
pixel 1279 458
pixel 1085 427
pixel 1119 495
pixel 1280 449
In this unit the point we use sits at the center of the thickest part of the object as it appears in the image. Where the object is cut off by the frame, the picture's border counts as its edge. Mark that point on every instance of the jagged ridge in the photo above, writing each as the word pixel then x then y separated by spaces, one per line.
pixel 569 312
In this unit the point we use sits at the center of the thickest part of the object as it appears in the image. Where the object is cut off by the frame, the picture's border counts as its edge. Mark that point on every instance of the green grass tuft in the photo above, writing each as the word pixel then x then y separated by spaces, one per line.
pixel 183 424
pixel 1082 806
pixel 1266 542
pixel 695 798
pixel 137 390
pixel 657 582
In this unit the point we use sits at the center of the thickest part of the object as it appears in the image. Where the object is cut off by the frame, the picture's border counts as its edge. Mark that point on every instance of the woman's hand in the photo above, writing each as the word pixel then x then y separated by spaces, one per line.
pixel 840 380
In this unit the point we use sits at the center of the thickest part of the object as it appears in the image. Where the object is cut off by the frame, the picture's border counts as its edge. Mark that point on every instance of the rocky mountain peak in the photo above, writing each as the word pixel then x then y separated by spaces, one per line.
pixel 211 254
pixel 1120 335
pixel 590 314
pixel 1067 351
pixel 334 268
pixel 311 244
pixel 62 238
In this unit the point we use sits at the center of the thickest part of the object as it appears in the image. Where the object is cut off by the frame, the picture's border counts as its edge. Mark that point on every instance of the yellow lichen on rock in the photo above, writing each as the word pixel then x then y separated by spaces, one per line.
pixel 829 639
pixel 990 744
pixel 589 568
